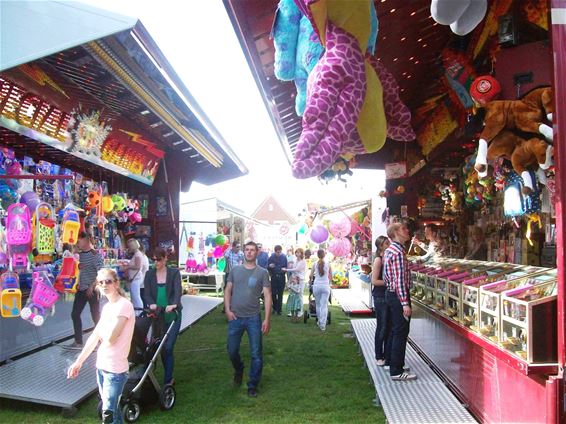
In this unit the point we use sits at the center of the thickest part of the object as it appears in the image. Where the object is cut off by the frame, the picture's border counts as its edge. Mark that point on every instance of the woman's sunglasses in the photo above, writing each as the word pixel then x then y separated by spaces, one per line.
pixel 105 282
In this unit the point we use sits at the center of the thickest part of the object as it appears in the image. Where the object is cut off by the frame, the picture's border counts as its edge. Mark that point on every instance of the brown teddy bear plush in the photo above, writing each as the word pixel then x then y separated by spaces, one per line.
pixel 525 155
pixel 529 115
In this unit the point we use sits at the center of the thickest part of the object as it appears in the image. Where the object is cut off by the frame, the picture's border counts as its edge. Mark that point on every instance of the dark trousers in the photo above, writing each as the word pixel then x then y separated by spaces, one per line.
pixel 167 353
pixel 399 333
pixel 382 328
pixel 236 329
pixel 79 304
pixel 277 288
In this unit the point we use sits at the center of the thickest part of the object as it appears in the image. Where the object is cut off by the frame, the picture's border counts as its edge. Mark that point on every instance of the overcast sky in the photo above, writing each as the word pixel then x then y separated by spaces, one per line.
pixel 198 39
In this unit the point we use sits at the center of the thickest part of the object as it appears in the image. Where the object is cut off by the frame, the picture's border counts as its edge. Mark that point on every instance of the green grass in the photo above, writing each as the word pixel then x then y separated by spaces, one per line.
pixel 308 376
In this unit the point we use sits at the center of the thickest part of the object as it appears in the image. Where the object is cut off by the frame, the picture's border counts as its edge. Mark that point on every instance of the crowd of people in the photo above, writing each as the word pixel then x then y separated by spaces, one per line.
pixel 253 277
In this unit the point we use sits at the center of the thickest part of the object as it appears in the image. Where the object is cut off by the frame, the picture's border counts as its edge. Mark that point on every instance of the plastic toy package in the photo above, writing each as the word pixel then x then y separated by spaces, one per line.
pixel 42 298
pixel 10 295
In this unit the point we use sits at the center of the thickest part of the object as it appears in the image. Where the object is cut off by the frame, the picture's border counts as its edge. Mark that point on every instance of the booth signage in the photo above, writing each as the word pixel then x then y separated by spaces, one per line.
pixel 83 134
pixel 31 111
pixel 395 170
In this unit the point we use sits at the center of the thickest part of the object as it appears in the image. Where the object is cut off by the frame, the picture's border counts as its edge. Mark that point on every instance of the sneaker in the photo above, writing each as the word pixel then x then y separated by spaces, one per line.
pixel 238 378
pixel 252 392
pixel 289 314
pixel 300 314
pixel 404 376
pixel 380 362
pixel 406 369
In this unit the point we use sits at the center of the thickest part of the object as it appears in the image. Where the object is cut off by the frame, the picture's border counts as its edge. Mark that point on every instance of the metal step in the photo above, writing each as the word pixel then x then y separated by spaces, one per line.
pixel 425 400
pixel 42 376
pixel 350 301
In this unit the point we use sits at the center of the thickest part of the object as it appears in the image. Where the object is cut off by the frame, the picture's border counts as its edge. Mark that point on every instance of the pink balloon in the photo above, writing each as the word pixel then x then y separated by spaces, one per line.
pixel 340 247
pixel 319 234
pixel 341 228
pixel 135 217
pixel 217 252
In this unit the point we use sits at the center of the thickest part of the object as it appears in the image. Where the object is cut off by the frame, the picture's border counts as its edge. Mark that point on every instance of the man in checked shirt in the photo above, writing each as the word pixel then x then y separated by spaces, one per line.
pixel 398 300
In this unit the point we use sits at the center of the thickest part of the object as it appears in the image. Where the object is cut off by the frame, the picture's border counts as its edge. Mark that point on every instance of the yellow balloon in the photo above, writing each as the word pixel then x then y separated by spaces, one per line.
pixel 107 204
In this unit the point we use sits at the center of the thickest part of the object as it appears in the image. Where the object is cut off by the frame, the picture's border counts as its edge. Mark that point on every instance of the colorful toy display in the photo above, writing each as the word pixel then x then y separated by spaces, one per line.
pixel 70 226
pixel 44 229
pixel 18 234
pixel 530 114
pixel 41 300
pixel 344 111
pixel 68 279
pixel 10 295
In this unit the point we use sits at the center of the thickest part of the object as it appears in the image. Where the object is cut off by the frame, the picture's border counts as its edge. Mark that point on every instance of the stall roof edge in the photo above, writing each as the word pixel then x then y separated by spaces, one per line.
pixel 118 43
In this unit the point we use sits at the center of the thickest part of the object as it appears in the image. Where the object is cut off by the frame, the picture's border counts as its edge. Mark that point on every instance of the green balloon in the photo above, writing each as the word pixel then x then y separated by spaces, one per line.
pixel 221 264
pixel 303 229
pixel 220 240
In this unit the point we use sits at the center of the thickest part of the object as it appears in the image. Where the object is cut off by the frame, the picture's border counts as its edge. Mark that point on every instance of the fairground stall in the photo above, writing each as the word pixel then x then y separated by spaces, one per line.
pixel 461 103
pixel 99 134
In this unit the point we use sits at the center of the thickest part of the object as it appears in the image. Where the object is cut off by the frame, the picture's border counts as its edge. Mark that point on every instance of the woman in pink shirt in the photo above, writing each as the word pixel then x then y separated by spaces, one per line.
pixel 114 332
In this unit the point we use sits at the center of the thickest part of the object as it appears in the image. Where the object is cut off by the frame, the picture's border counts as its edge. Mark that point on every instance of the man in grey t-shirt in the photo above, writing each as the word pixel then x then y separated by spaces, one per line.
pixel 244 287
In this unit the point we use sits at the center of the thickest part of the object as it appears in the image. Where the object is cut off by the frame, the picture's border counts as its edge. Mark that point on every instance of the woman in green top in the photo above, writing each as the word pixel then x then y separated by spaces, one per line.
pixel 163 289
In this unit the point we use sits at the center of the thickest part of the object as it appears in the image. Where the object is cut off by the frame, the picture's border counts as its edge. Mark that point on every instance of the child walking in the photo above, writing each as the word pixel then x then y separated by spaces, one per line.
pixel 296 286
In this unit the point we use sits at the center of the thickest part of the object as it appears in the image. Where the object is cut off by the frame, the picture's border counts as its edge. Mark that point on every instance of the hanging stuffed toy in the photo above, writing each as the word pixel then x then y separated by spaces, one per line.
pixel 530 115
pixel 397 114
pixel 344 112
pixel 297 49
pixel 462 15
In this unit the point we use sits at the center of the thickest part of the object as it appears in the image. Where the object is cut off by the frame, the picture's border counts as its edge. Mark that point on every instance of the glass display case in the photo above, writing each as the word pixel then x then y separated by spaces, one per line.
pixel 490 297
pixel 528 324
pixel 470 308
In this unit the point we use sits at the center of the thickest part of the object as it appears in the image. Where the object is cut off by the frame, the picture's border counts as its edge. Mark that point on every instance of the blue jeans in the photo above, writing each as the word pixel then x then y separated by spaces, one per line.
pixel 382 328
pixel 110 387
pixel 399 334
pixel 236 328
pixel 167 356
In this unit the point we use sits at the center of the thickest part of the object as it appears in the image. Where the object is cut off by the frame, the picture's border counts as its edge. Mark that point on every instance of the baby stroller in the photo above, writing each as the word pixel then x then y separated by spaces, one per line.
pixel 310 310
pixel 142 386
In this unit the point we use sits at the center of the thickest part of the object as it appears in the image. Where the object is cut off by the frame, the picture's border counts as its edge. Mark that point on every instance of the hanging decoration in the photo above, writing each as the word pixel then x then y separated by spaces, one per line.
pixel 319 234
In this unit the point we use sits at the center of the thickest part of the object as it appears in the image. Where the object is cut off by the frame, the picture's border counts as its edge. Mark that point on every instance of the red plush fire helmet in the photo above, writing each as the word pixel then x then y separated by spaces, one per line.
pixel 484 89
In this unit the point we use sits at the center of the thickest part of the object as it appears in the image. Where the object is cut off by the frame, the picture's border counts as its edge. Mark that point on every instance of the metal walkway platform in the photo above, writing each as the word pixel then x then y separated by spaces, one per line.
pixel 425 400
pixel 41 377
pixel 350 301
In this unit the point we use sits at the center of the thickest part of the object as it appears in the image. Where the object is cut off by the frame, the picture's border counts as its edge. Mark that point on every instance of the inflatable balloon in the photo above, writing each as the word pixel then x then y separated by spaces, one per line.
pixel 220 239
pixel 135 217
pixel 319 234
pixel 119 202
pixel 30 199
pixel 303 229
pixel 225 246
pixel 93 199
pixel 340 247
pixel 221 264
pixel 217 252
pixel 107 204
pixel 341 228
pixel 284 229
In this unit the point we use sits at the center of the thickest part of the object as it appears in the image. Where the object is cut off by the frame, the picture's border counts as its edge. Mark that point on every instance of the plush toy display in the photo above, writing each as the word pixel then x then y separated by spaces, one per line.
pixel 344 112
pixel 297 49
pixel 397 113
pixel 503 121
pixel 462 15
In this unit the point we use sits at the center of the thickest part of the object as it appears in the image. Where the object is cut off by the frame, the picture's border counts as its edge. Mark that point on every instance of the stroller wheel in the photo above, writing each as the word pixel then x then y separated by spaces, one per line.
pixel 131 411
pixel 167 397
pixel 305 316
pixel 329 318
pixel 99 409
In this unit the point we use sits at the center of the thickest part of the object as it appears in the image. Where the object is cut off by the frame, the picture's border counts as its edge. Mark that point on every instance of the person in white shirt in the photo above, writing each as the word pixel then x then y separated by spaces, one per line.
pixel 322 273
